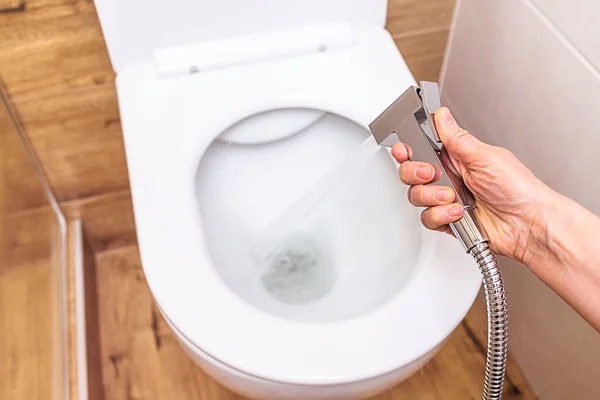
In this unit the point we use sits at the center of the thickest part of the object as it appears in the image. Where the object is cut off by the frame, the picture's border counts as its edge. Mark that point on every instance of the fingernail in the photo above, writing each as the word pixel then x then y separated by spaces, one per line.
pixel 444 195
pixel 423 173
pixel 455 211
pixel 447 117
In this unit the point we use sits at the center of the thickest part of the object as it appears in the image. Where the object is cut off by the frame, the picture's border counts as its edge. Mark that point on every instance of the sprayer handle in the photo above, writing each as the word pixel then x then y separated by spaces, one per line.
pixel 410 119
pixel 468 229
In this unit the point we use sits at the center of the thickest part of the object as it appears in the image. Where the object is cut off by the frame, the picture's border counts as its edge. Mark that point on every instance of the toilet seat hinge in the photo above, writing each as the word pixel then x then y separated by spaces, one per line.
pixel 249 49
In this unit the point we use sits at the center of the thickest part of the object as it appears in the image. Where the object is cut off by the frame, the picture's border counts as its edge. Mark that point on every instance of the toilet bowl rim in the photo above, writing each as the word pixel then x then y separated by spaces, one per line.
pixel 306 372
pixel 302 375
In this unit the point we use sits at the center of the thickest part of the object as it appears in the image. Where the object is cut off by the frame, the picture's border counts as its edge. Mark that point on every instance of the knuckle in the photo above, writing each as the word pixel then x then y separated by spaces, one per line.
pixel 409 151
pixel 400 152
pixel 462 133
pixel 459 135
pixel 421 196
pixel 425 219
pixel 430 195
pixel 428 219
pixel 436 216
pixel 405 172
pixel 414 195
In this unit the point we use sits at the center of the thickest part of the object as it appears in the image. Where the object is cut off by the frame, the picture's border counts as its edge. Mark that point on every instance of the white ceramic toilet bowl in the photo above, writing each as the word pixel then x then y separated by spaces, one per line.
pixel 194 203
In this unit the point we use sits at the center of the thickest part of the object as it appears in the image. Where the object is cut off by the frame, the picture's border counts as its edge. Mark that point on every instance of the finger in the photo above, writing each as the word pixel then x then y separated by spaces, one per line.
pixel 438 173
pixel 438 216
pixel 401 152
pixel 417 173
pixel 460 143
pixel 427 196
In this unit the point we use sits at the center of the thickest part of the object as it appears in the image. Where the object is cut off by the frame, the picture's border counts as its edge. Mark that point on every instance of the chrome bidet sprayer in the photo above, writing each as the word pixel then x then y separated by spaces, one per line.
pixel 409 119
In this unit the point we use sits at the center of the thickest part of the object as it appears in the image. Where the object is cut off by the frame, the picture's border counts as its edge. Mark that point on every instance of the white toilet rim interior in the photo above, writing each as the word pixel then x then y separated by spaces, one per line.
pixel 240 114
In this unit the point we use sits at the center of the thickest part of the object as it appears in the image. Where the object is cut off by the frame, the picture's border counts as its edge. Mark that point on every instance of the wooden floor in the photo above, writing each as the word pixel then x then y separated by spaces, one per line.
pixel 31 329
pixel 141 359
pixel 28 349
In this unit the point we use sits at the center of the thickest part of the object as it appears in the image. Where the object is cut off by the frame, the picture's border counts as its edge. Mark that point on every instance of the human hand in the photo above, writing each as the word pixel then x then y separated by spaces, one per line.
pixel 511 201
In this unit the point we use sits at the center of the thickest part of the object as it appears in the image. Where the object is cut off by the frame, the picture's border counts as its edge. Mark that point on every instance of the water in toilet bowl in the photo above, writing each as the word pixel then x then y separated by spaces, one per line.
pixel 339 257
pixel 296 267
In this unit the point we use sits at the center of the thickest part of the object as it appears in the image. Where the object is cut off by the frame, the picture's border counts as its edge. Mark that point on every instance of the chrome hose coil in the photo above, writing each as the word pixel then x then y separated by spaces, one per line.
pixel 497 315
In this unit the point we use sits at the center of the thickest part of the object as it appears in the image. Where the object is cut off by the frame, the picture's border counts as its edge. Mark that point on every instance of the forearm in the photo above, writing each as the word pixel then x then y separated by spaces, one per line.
pixel 565 254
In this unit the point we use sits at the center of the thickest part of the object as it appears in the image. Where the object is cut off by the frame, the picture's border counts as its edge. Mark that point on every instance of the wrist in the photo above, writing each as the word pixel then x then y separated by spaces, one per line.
pixel 538 245
pixel 565 256
pixel 558 235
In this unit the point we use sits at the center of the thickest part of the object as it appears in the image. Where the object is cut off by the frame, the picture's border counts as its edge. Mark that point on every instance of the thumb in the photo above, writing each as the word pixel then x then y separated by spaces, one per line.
pixel 465 147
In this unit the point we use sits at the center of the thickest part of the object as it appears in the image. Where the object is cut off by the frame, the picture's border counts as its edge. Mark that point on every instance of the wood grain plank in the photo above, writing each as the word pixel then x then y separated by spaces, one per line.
pixel 108 219
pixel 417 15
pixel 423 44
pixel 28 237
pixel 20 187
pixel 27 342
pixel 92 323
pixel 424 53
pixel 142 360
pixel 11 6
pixel 51 47
pixel 77 138
pixel 426 68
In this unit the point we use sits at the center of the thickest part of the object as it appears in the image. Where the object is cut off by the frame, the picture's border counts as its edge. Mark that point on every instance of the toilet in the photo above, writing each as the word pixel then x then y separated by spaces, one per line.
pixel 232 111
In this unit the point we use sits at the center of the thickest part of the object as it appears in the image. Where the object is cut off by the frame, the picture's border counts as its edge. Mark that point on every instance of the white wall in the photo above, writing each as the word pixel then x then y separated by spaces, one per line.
pixel 525 75
pixel 578 21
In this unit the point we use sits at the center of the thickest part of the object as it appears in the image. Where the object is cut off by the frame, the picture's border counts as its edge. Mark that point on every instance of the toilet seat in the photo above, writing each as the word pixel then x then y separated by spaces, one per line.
pixel 169 122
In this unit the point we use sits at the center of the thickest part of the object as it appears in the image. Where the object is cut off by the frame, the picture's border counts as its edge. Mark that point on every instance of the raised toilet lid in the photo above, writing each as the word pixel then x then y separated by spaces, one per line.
pixel 169 123
pixel 163 24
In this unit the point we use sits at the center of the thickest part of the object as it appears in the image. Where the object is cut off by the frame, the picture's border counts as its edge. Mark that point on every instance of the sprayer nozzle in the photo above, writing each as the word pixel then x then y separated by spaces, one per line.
pixel 385 126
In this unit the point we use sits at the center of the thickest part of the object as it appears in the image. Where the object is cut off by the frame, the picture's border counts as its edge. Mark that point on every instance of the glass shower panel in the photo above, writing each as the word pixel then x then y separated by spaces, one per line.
pixel 33 362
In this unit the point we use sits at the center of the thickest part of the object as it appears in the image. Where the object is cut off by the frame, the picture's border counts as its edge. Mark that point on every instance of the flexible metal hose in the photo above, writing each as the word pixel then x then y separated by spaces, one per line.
pixel 497 321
